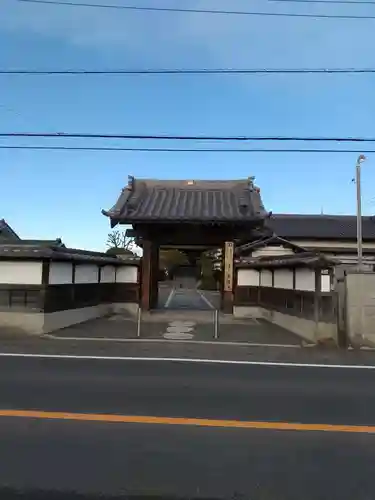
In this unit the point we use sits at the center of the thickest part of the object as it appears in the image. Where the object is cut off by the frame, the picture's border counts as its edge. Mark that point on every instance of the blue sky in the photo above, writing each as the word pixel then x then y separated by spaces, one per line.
pixel 49 194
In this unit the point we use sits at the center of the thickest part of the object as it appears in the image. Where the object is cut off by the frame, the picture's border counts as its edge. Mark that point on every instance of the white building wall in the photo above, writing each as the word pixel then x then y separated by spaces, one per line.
pixel 326 283
pixel 127 274
pixel 248 277
pixel 108 274
pixel 271 250
pixel 21 272
pixel 60 273
pixel 283 278
pixel 265 277
pixel 86 273
pixel 305 279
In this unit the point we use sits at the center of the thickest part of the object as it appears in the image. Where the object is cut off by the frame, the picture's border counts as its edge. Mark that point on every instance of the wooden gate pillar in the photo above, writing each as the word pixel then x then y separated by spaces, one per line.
pixel 150 267
pixel 154 276
pixel 227 294
pixel 146 275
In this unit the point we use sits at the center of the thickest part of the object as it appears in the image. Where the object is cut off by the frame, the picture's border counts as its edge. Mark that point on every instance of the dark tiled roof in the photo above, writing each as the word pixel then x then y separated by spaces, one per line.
pixel 147 200
pixel 57 253
pixel 7 232
pixel 336 227
pixel 45 243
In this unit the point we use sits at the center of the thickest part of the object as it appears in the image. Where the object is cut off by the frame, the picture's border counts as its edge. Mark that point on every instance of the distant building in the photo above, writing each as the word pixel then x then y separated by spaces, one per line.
pixel 8 236
pixel 334 236
pixel 7 233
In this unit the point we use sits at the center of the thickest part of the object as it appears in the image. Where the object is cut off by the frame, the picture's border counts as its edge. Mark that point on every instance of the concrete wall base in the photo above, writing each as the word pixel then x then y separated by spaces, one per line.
pixel 61 319
pixel 305 328
pixel 360 308
pixel 20 323
pixel 37 323
pixel 130 308
pixel 247 312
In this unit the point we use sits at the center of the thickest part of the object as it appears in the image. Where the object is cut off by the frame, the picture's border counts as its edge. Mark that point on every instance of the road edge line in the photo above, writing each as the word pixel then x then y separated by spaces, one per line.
pixel 164 341
pixel 185 360
pixel 187 421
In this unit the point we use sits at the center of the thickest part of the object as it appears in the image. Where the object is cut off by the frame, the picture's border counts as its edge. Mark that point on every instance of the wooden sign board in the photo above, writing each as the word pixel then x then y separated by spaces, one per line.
pixel 228 266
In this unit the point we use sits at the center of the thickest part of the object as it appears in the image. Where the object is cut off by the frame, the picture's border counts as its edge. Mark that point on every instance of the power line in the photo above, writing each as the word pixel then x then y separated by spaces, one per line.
pixel 190 150
pixel 59 135
pixel 329 2
pixel 204 71
pixel 195 11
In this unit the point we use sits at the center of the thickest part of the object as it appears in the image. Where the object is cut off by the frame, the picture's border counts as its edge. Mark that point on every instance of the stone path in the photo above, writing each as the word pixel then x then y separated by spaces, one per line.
pixel 179 330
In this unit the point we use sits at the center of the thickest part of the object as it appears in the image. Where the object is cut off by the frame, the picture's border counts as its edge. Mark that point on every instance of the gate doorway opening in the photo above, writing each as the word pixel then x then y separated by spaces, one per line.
pixel 188 280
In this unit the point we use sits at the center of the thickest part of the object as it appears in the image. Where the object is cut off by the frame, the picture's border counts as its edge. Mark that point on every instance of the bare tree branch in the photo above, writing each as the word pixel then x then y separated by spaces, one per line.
pixel 119 240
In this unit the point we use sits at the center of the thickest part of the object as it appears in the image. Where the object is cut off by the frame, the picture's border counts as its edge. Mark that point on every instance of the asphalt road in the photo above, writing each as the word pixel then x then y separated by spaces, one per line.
pixel 186 461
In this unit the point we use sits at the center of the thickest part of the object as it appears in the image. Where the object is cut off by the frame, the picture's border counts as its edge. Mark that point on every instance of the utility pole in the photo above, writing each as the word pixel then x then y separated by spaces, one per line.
pixel 360 160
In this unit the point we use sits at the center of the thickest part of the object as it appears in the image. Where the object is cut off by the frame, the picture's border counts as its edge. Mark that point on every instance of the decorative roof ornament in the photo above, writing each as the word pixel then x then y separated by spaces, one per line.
pixel 251 180
pixel 130 182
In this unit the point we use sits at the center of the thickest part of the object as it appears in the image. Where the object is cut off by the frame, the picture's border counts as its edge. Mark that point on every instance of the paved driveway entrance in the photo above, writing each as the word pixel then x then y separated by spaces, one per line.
pixel 182 326
pixel 187 315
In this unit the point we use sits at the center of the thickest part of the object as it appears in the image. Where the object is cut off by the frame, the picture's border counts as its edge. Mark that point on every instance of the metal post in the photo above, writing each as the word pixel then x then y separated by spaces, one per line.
pixel 359 215
pixel 361 158
pixel 216 324
pixel 139 313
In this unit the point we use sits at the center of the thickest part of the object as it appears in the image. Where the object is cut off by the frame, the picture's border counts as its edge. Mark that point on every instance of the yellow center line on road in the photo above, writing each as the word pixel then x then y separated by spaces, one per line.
pixel 198 422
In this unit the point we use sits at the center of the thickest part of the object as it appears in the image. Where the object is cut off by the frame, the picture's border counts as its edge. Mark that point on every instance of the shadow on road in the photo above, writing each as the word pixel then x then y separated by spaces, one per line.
pixel 12 494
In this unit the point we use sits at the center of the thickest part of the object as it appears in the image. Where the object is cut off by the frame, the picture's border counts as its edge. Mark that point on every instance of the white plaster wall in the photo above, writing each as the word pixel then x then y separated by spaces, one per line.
pixel 326 283
pixel 283 278
pixel 60 273
pixel 265 277
pixel 21 272
pixel 305 279
pixel 248 277
pixel 108 274
pixel 86 273
pixel 127 274
pixel 271 250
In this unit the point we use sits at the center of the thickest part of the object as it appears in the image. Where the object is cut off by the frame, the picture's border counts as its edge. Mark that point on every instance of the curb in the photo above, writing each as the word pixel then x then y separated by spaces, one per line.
pixel 165 341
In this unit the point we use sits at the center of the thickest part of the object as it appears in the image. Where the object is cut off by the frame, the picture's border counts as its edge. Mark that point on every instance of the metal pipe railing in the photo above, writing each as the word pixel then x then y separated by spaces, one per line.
pixel 139 315
pixel 216 324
